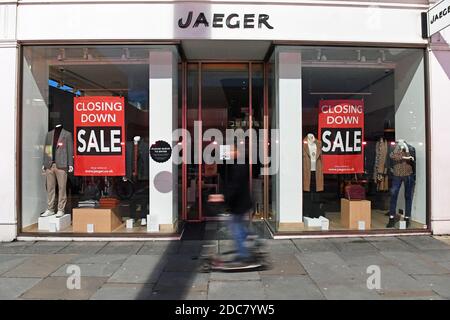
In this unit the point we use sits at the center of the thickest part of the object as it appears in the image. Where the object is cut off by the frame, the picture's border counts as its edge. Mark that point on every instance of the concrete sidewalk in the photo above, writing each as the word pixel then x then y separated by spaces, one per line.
pixel 413 267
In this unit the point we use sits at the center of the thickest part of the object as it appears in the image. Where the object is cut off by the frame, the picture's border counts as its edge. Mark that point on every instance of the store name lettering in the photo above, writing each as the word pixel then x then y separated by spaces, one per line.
pixel 230 21
pixel 440 15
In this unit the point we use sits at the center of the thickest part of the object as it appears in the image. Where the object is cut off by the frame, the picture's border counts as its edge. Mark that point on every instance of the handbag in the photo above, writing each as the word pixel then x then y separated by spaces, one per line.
pixel 355 192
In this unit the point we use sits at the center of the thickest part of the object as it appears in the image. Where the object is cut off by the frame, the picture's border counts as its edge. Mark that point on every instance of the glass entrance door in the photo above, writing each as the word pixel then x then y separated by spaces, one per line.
pixel 221 96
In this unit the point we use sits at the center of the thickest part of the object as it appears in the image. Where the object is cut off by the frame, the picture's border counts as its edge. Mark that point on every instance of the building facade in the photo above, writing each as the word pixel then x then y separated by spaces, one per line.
pixel 119 117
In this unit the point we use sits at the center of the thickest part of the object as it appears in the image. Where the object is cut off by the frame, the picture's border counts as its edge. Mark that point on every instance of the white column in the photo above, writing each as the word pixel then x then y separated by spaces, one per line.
pixel 8 80
pixel 439 68
pixel 163 120
pixel 289 109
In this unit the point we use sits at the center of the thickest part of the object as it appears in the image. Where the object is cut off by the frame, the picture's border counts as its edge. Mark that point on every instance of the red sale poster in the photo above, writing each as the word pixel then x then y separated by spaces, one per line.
pixel 99 139
pixel 341 130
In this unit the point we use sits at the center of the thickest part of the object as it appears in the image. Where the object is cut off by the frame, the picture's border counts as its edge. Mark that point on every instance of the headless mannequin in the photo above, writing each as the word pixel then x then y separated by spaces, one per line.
pixel 313 206
pixel 404 147
pixel 56 177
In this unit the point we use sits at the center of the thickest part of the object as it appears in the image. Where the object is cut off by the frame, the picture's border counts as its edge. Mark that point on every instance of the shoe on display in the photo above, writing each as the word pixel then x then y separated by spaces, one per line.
pixel 392 222
pixel 48 213
pixel 60 214
pixel 408 222
pixel 143 222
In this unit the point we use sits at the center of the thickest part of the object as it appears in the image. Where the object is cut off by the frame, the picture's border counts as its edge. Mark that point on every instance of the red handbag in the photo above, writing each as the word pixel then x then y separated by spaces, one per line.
pixel 355 192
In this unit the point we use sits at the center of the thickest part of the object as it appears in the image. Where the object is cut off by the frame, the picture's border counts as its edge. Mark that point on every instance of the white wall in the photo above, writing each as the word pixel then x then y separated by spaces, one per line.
pixel 289 110
pixel 439 64
pixel 163 120
pixel 8 63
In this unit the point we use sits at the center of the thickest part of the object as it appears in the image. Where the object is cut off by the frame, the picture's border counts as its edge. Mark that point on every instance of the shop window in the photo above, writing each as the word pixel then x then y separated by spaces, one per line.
pixel 363 139
pixel 85 139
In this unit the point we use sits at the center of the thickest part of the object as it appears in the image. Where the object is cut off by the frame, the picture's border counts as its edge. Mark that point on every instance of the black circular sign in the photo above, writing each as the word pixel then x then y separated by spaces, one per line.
pixel 160 151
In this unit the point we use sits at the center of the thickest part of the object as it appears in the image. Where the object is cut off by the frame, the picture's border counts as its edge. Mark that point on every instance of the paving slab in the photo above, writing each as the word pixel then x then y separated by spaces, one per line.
pixel 235 276
pixel 7 262
pixel 121 248
pixel 236 290
pixel 297 287
pixel 438 283
pixel 100 259
pixel 353 244
pixel 140 269
pixel 123 291
pixel 280 246
pixel 173 295
pixel 226 245
pixel 198 247
pixel 363 258
pixel 390 244
pixel 327 268
pixel 182 282
pixel 349 292
pixel 83 248
pixel 89 270
pixel 425 242
pixel 314 245
pixel 393 279
pixel 12 288
pixel 412 263
pixel 436 255
pixel 55 288
pixel 45 247
pixel 39 266
pixel 159 248
pixel 283 264
pixel 14 247
pixel 182 263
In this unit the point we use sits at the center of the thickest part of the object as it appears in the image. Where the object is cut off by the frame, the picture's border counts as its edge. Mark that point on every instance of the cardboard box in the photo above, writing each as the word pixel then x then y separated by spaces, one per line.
pixel 53 224
pixel 103 220
pixel 312 222
pixel 353 211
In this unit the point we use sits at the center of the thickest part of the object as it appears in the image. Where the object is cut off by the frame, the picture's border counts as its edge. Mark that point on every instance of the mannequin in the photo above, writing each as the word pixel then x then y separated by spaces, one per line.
pixel 403 159
pixel 380 171
pixel 57 161
pixel 312 174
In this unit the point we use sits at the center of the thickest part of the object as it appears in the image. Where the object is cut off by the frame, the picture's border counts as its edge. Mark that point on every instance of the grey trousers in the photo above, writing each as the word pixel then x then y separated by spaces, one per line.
pixel 54 176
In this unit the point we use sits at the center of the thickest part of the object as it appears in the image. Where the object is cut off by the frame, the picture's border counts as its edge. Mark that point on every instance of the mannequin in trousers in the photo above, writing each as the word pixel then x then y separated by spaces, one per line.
pixel 403 158
pixel 312 176
pixel 57 161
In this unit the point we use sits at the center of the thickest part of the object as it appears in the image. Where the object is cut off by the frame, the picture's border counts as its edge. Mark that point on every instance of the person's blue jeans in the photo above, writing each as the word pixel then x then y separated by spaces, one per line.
pixel 239 233
pixel 409 190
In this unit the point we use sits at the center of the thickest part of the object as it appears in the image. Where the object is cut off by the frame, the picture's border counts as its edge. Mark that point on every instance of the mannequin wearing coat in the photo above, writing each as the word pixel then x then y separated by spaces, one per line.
pixel 312 175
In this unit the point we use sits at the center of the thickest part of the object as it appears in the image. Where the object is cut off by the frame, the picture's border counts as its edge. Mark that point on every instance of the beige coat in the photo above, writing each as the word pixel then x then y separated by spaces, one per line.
pixel 307 167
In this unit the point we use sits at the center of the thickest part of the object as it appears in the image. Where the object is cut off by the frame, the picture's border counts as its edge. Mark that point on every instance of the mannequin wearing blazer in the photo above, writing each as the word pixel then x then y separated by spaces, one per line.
pixel 312 157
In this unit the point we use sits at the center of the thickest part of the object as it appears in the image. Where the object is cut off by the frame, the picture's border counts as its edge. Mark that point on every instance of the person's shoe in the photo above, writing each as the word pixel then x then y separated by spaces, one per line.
pixel 392 222
pixel 60 213
pixel 48 213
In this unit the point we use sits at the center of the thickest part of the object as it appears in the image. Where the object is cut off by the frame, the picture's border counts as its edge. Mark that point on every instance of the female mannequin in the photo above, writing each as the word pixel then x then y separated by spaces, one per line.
pixel 312 175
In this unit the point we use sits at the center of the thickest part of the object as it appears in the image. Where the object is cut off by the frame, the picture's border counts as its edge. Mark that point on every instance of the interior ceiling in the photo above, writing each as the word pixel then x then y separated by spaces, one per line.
pixel 225 50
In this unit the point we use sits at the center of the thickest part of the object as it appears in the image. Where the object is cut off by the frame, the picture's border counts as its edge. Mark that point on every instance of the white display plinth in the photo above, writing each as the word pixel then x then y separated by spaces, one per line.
pixel 53 224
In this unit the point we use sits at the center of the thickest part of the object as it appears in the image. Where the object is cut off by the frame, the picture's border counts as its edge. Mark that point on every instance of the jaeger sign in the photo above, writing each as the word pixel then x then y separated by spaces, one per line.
pixel 220 20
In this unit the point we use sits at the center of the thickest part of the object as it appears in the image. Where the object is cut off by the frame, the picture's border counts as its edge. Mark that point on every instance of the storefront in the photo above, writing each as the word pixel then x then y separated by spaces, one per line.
pixel 119 117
